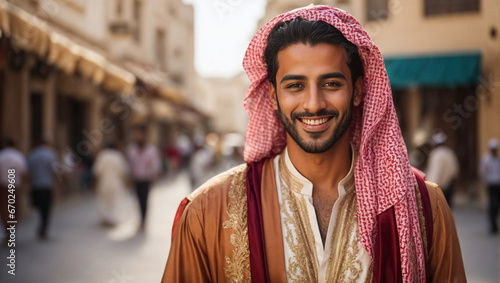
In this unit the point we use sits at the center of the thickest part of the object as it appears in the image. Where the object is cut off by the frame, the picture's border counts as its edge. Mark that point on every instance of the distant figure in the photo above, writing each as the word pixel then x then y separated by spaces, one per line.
pixel 489 171
pixel 145 164
pixel 201 162
pixel 233 159
pixel 173 158
pixel 443 167
pixel 87 176
pixel 41 162
pixel 186 148
pixel 11 159
pixel 111 171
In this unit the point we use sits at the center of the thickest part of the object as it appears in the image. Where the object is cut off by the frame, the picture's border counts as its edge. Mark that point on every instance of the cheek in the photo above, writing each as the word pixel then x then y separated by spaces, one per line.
pixel 288 103
pixel 340 100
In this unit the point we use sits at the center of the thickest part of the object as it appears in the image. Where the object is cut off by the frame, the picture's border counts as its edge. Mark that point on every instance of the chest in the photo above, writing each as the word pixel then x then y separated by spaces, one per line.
pixel 323 206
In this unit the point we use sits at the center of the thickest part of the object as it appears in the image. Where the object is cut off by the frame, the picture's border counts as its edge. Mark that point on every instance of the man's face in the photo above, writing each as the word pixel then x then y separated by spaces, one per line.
pixel 314 95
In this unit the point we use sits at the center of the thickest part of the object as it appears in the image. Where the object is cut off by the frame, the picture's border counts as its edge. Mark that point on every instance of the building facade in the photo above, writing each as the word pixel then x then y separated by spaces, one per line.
pixel 443 61
pixel 453 50
pixel 223 98
pixel 82 72
pixel 54 77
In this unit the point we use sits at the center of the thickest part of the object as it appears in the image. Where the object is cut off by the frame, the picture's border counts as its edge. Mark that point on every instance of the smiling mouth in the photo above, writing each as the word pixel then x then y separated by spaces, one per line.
pixel 315 121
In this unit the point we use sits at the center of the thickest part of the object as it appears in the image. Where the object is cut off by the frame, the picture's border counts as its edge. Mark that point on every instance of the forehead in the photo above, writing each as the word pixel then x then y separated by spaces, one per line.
pixel 305 59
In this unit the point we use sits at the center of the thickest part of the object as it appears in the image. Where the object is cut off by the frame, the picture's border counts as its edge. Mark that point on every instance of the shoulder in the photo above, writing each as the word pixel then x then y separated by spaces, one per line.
pixel 219 186
pixel 441 213
pixel 33 154
pixel 152 148
pixel 445 259
pixel 486 157
pixel 19 154
pixel 436 197
pixel 52 152
pixel 209 203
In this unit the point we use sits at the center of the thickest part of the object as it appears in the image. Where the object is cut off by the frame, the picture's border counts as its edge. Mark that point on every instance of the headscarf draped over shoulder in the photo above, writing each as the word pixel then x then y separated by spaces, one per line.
pixel 383 174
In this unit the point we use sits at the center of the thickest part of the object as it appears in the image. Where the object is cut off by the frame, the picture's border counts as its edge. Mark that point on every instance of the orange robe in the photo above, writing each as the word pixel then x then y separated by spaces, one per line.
pixel 210 243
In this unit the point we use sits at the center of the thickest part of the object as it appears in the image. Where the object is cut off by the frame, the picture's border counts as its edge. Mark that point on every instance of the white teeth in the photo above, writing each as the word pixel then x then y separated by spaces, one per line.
pixel 315 121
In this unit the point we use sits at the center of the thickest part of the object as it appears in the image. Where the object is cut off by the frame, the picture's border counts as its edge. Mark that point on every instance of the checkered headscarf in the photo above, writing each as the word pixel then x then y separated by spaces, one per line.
pixel 383 174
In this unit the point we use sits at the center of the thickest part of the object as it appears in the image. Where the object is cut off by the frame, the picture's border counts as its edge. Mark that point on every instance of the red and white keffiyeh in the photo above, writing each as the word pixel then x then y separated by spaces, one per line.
pixel 383 174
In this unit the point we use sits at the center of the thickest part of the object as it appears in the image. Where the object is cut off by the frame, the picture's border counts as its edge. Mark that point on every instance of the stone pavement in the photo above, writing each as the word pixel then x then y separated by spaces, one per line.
pixel 480 250
pixel 80 250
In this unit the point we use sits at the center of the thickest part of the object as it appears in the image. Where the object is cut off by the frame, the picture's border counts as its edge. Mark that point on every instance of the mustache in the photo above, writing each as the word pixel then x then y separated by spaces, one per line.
pixel 307 114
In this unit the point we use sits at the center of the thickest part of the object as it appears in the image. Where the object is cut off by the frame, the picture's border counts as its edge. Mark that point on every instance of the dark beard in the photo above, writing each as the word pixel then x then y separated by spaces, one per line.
pixel 338 132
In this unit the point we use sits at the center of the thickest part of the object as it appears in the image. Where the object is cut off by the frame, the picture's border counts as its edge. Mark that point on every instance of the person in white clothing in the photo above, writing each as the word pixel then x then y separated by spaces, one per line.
pixel 12 163
pixel 443 167
pixel 111 172
pixel 489 171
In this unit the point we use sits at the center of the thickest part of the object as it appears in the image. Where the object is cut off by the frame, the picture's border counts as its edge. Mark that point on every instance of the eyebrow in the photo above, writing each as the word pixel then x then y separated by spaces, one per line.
pixel 332 75
pixel 293 77
pixel 322 77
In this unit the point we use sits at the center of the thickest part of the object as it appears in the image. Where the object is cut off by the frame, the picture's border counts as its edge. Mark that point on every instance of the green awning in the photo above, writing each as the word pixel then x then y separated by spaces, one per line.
pixel 448 70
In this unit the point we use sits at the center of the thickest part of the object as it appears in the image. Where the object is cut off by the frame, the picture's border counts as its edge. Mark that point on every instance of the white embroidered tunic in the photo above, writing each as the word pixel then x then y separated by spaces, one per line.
pixel 342 259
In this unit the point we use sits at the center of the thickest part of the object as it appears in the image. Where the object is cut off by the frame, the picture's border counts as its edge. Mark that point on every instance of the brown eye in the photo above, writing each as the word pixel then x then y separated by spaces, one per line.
pixel 294 86
pixel 332 84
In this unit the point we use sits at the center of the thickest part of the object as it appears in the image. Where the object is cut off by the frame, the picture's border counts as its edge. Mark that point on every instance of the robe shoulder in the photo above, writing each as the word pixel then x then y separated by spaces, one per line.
pixel 445 256
pixel 202 243
pixel 214 192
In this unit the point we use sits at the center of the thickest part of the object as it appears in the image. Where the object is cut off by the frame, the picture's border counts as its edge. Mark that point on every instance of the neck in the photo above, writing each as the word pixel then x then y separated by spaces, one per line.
pixel 325 170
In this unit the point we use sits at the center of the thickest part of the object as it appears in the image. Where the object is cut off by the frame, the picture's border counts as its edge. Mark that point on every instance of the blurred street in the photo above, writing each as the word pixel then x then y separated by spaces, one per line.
pixel 80 250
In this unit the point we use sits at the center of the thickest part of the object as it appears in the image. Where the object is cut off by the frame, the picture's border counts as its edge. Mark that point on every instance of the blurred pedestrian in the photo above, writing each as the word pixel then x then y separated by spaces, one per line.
pixel 201 162
pixel 11 159
pixel 185 147
pixel 111 171
pixel 173 158
pixel 233 159
pixel 86 177
pixel 443 167
pixel 41 163
pixel 145 165
pixel 489 171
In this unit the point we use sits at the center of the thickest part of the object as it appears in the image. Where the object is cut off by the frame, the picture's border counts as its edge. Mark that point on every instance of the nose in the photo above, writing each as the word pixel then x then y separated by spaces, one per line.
pixel 314 100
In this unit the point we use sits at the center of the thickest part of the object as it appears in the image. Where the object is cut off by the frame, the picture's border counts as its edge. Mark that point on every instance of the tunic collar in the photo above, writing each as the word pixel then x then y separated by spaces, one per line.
pixel 301 185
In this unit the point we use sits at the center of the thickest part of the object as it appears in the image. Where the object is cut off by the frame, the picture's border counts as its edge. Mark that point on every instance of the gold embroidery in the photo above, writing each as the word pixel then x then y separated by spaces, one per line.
pixel 421 218
pixel 302 267
pixel 238 266
pixel 344 264
pixel 369 277
pixel 291 181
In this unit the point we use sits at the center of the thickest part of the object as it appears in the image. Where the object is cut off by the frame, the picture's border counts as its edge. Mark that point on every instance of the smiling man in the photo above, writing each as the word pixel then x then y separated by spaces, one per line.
pixel 327 193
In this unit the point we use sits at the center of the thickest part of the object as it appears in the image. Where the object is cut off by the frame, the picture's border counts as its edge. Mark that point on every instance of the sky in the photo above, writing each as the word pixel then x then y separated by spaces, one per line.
pixel 223 29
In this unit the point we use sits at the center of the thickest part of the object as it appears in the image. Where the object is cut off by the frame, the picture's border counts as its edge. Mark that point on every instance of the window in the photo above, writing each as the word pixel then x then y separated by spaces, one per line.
pixel 171 9
pixel 119 7
pixel 36 112
pixel 137 20
pixel 34 3
pixel 377 10
pixel 177 78
pixel 77 5
pixel 438 7
pixel 160 49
